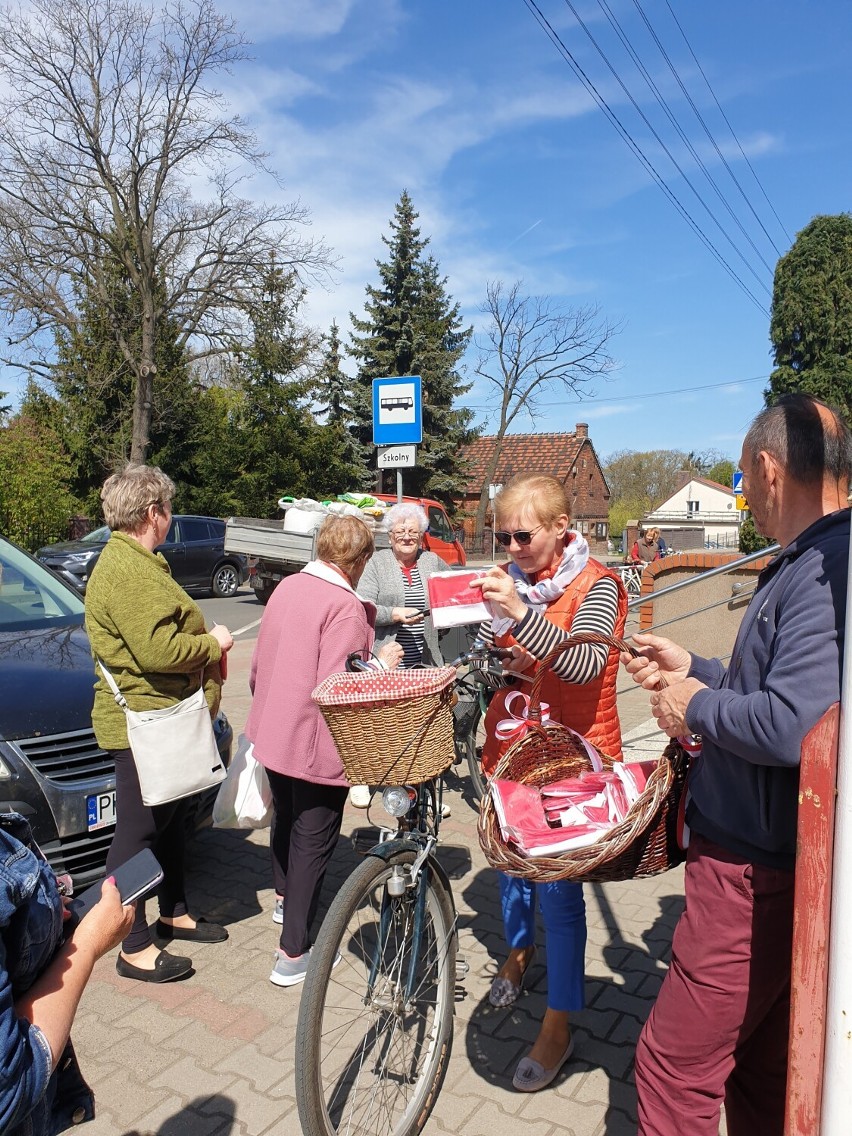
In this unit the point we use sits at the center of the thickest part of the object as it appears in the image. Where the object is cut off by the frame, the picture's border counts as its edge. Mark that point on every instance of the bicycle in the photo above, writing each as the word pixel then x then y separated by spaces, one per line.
pixel 474 693
pixel 374 1030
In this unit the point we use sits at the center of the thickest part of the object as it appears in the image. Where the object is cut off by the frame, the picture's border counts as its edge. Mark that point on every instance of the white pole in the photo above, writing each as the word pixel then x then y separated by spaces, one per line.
pixel 837 1063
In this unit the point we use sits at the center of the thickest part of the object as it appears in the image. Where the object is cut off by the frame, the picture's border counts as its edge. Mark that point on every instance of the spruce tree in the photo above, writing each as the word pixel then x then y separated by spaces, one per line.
pixel 811 328
pixel 412 327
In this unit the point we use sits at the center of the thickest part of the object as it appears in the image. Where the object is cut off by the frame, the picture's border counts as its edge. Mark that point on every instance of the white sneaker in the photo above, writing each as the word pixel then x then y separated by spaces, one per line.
pixel 360 796
pixel 446 811
pixel 289 972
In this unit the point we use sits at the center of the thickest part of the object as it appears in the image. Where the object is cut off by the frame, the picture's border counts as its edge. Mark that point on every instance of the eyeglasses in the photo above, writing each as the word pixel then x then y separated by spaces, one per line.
pixel 415 533
pixel 520 536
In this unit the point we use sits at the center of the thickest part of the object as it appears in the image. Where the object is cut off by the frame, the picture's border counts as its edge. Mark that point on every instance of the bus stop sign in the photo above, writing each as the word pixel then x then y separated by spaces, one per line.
pixel 397 412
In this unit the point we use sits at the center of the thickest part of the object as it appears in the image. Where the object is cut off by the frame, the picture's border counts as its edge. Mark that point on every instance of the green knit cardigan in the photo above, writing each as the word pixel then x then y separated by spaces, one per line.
pixel 150 635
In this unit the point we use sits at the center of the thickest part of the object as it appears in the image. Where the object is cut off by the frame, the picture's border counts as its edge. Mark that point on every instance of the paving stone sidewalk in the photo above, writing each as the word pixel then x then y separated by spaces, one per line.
pixel 214 1055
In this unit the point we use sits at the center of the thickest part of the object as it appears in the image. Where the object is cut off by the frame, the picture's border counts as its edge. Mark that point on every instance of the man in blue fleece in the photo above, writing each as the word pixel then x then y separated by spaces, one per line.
pixel 719 1028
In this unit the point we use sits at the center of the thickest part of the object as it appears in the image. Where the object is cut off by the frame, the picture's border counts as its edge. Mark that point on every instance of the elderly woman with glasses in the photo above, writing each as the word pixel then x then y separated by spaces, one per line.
pixel 550 589
pixel 395 581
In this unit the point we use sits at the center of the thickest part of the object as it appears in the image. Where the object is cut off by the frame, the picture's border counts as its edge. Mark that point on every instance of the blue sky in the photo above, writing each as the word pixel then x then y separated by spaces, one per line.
pixel 517 175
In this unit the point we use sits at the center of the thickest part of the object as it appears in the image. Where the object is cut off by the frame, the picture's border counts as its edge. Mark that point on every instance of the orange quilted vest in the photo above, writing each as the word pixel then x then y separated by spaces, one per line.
pixel 589 708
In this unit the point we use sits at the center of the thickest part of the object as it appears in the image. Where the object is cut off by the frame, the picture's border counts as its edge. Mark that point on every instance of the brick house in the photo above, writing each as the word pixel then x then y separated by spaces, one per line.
pixel 569 457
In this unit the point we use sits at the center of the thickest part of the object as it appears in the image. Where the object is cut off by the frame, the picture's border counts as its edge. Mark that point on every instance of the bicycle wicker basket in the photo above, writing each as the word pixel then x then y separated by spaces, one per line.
pixel 390 727
pixel 645 843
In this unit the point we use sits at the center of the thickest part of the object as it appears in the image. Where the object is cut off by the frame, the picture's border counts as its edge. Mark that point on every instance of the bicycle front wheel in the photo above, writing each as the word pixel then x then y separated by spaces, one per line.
pixel 375 1021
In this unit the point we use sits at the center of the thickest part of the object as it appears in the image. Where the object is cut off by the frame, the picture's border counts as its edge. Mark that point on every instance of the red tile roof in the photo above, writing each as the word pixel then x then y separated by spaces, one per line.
pixel 523 453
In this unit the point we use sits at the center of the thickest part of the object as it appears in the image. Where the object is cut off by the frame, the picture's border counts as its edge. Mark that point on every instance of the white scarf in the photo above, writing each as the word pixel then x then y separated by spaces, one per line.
pixel 539 596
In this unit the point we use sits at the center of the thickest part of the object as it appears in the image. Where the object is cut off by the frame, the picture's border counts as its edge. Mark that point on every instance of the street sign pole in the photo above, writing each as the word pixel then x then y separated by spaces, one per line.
pixel 397 422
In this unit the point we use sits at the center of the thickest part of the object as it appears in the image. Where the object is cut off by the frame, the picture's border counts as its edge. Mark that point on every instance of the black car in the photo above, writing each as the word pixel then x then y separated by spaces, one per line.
pixel 194 548
pixel 51 768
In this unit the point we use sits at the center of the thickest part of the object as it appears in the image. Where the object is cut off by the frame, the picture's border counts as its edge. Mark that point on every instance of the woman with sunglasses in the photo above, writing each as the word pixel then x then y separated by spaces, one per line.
pixel 551 588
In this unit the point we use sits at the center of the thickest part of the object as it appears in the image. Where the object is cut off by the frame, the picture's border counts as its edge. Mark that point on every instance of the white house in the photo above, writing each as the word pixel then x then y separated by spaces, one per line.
pixel 699 514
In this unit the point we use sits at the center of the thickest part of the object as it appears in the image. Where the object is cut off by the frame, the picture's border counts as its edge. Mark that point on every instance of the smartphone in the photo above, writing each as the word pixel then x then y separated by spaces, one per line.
pixel 134 879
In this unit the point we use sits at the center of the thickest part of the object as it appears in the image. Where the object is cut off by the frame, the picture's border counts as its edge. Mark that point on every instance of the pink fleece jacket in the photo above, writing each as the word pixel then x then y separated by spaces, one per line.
pixel 312 622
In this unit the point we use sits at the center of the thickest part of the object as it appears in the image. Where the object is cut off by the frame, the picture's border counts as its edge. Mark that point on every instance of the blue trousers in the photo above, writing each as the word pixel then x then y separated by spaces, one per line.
pixel 564 912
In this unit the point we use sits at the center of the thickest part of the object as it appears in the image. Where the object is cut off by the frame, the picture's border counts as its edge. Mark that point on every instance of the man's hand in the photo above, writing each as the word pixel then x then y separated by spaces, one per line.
pixel 669 706
pixel 657 656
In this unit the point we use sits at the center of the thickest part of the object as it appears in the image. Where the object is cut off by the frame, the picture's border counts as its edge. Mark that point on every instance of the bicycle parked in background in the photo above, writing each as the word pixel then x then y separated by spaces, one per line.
pixel 375 1022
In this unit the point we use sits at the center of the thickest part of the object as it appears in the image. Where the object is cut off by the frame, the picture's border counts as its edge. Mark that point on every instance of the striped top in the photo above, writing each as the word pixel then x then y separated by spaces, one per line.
pixel 411 638
pixel 598 612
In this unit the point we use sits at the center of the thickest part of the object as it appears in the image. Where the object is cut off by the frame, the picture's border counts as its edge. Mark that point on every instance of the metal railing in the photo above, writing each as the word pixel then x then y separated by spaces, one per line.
pixel 707 574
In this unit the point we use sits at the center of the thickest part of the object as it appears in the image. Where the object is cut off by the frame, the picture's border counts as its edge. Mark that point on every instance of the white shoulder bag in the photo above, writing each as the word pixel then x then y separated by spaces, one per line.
pixel 174 748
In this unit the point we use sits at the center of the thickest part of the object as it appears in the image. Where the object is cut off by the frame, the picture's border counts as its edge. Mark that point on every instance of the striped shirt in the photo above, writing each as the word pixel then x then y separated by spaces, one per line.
pixel 598 612
pixel 411 638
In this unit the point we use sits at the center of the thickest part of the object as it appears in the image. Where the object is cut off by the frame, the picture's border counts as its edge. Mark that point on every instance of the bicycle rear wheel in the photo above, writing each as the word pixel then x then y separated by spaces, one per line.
pixel 375 1022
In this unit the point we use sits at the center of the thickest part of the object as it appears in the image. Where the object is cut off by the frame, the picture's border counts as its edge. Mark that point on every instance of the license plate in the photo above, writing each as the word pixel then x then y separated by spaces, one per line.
pixel 100 810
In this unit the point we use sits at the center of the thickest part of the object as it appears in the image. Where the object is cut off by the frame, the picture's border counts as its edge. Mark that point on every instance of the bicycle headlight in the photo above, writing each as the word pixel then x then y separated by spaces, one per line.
pixel 397 800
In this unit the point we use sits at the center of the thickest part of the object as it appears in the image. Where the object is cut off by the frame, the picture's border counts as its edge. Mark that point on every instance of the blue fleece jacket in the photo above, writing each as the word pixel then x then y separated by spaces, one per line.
pixel 784 674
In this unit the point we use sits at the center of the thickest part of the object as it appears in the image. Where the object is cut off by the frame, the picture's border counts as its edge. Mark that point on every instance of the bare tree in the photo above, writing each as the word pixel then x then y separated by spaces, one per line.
pixel 116 154
pixel 532 348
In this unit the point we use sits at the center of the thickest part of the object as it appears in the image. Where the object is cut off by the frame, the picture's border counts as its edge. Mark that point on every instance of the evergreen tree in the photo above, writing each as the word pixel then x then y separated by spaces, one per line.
pixel 277 446
pixel 811 328
pixel 413 328
pixel 334 392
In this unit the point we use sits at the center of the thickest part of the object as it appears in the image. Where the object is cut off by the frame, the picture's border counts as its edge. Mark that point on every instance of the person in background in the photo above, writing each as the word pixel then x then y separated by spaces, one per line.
pixel 719 1029
pixel 646 547
pixel 550 589
pixel 314 620
pixel 395 581
pixel 152 638
pixel 42 979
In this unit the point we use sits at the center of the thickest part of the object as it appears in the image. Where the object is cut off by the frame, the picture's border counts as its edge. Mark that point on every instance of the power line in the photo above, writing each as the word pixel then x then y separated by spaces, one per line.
pixel 647 394
pixel 733 135
pixel 637 150
pixel 663 103
pixel 569 4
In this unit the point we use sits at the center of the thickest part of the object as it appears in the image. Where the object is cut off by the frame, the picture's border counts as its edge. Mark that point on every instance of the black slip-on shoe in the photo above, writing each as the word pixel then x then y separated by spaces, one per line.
pixel 166 969
pixel 202 932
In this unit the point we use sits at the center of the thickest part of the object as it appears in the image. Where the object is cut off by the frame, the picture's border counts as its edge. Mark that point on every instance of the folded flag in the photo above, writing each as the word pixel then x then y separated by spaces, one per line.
pixel 571 813
pixel 453 601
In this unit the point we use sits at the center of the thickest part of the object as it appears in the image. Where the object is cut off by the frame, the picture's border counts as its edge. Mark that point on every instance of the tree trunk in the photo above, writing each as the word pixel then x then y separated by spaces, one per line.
pixel 490 471
pixel 143 403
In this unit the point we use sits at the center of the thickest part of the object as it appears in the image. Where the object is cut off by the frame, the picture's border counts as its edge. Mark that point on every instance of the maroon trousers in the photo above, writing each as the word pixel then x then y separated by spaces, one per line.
pixel 719 1028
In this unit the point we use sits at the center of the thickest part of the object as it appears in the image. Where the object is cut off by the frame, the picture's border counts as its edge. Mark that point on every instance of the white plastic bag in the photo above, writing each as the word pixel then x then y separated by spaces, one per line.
pixel 244 799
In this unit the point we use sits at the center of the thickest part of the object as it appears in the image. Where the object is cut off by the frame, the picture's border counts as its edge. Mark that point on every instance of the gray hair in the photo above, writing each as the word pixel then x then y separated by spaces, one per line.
pixel 399 514
pixel 128 494
pixel 808 437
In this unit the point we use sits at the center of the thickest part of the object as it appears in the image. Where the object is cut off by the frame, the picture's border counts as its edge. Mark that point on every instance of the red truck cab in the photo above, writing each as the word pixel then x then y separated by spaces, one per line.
pixel 439 537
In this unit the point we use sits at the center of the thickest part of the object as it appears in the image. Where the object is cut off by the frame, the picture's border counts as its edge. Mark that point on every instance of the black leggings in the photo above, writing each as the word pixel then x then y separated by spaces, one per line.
pixel 162 828
pixel 305 828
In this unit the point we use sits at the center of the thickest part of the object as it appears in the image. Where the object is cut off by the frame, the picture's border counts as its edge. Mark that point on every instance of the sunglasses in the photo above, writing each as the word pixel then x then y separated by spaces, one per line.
pixel 520 536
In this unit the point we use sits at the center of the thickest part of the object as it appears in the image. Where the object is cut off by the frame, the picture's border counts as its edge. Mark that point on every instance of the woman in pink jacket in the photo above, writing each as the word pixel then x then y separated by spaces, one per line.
pixel 312 622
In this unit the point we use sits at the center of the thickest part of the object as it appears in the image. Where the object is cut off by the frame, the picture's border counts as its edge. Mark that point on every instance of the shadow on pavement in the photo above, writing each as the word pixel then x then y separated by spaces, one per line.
pixel 205 1116
pixel 616 1007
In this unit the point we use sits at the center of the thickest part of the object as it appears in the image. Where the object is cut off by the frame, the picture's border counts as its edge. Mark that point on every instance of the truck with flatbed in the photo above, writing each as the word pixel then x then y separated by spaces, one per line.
pixel 275 550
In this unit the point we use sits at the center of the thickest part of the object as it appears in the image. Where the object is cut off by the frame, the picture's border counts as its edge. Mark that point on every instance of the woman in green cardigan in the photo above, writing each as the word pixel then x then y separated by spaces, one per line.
pixel 151 636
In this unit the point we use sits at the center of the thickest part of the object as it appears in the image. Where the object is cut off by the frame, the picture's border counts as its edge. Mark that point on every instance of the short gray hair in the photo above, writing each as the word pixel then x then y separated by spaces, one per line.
pixel 406 511
pixel 808 437
pixel 128 495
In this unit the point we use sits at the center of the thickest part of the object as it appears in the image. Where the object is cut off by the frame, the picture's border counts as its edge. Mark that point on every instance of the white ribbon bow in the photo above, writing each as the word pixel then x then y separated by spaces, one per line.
pixel 518 723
